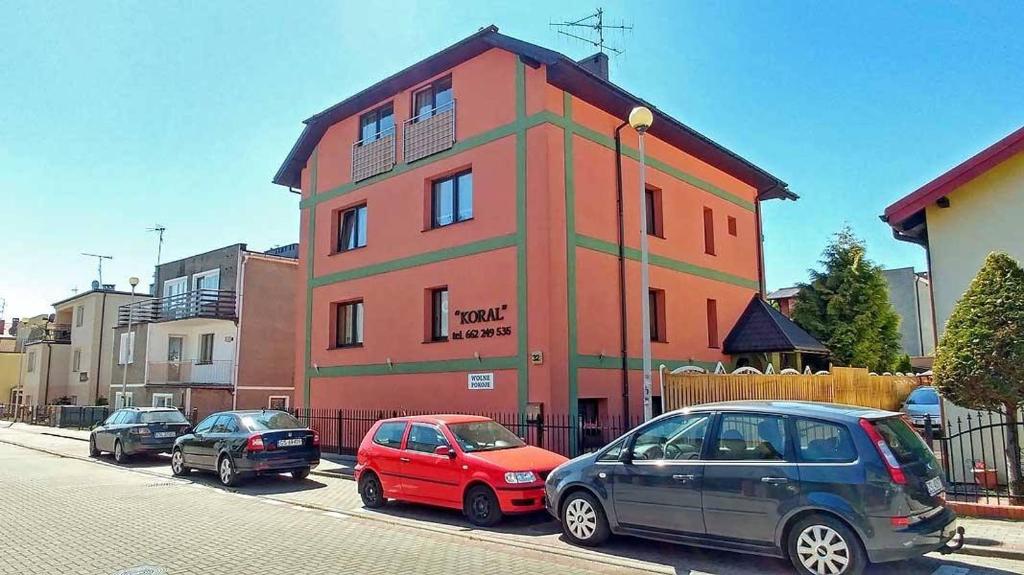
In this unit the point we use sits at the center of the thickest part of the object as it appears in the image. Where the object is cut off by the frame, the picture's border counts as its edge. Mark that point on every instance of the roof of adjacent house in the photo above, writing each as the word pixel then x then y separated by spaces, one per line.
pixel 762 328
pixel 562 72
pixel 92 291
pixel 907 214
pixel 783 293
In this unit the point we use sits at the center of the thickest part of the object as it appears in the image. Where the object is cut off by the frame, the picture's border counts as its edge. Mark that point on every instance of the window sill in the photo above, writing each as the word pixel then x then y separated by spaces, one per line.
pixel 432 228
pixel 653 235
pixel 346 346
pixel 439 340
pixel 339 252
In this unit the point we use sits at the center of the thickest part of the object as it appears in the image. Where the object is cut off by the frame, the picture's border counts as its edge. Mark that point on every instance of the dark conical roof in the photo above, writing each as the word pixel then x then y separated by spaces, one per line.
pixel 762 328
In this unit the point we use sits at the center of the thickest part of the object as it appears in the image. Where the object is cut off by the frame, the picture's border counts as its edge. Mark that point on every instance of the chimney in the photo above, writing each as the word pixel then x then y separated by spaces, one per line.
pixel 596 65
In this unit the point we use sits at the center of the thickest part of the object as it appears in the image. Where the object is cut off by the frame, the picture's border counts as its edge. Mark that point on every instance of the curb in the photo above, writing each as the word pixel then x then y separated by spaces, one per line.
pixel 978 551
pixel 569 553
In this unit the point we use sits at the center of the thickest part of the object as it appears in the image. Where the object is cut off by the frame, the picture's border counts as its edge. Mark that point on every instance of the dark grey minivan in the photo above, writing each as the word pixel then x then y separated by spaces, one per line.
pixel 831 487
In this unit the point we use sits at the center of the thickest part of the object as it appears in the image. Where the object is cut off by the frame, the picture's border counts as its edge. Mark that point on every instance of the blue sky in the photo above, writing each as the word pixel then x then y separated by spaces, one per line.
pixel 118 116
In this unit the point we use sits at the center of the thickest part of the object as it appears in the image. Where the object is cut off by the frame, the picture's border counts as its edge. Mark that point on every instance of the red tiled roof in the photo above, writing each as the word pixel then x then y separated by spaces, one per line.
pixel 971 168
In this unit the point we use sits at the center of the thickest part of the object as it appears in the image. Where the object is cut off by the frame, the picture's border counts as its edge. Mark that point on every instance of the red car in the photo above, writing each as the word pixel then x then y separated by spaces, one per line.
pixel 458 461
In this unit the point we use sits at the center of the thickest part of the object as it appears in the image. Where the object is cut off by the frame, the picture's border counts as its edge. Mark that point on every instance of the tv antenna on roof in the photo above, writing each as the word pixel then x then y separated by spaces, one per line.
pixel 591 25
pixel 99 264
pixel 159 229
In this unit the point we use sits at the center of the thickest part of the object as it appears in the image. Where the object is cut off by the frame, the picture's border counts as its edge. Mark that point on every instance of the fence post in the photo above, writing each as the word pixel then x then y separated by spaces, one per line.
pixel 929 432
pixel 337 448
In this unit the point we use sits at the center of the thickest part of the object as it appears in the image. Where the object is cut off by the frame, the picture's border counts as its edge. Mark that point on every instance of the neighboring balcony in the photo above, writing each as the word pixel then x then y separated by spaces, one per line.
pixel 201 303
pixel 191 372
pixel 53 333
pixel 373 155
pixel 429 133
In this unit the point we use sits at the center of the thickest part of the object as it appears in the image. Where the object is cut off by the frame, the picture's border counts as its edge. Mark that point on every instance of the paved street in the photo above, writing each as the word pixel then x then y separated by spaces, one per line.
pixel 74 515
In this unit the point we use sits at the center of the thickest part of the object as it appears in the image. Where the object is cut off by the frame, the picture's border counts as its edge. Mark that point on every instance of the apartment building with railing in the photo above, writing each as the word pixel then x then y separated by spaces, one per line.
pixel 216 334
pixel 470 232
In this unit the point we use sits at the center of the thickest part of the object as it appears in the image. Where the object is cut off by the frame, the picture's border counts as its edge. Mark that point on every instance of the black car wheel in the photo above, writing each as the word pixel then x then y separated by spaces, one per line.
pixel 481 506
pixel 119 455
pixel 226 472
pixel 300 474
pixel 583 520
pixel 823 545
pixel 370 491
pixel 93 451
pixel 178 467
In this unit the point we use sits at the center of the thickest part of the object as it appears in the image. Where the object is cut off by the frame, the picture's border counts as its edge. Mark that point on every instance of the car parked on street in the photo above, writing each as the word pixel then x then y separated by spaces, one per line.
pixel 457 461
pixel 921 404
pixel 238 444
pixel 831 487
pixel 135 430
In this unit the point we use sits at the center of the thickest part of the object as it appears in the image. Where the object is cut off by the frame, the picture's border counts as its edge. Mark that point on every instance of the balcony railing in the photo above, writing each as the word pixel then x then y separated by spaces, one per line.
pixel 372 156
pixel 201 303
pixel 53 333
pixel 430 132
pixel 191 371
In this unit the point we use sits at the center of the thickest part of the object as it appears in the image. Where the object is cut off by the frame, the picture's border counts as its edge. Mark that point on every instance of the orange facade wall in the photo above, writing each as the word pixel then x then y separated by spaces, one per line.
pixel 397 368
pixel 267 337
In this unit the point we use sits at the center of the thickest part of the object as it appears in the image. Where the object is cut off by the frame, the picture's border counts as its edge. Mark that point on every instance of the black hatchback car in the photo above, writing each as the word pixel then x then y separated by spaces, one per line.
pixel 135 430
pixel 831 487
pixel 236 444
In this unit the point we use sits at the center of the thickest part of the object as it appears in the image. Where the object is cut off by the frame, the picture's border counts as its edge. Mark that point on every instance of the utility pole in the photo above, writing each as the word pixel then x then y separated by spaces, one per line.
pixel 99 264
pixel 159 229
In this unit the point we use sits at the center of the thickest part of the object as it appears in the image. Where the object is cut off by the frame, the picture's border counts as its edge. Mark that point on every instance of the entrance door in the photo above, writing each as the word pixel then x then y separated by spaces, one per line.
pixel 175 345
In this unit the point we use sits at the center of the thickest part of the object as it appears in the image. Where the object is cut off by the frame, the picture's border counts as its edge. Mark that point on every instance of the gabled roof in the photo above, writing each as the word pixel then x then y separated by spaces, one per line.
pixel 906 216
pixel 562 72
pixel 783 293
pixel 763 329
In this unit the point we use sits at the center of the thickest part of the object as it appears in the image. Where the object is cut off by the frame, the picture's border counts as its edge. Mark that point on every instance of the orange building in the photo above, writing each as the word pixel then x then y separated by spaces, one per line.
pixel 462 239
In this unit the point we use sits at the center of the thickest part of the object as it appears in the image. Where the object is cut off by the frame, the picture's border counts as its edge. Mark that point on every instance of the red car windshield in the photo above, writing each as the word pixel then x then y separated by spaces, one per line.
pixel 484 436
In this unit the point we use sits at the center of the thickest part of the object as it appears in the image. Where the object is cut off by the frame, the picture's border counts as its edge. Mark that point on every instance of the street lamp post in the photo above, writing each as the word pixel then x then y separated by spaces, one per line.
pixel 641 118
pixel 130 343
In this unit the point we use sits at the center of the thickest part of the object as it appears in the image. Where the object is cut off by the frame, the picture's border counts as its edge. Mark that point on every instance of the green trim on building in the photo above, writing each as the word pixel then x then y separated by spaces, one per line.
pixel 473 248
pixel 310 256
pixel 439 366
pixel 522 287
pixel 636 363
pixel 609 248
pixel 570 249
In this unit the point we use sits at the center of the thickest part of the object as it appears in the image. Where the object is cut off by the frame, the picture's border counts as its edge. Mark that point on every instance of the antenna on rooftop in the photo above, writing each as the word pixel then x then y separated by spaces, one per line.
pixel 159 229
pixel 590 29
pixel 99 263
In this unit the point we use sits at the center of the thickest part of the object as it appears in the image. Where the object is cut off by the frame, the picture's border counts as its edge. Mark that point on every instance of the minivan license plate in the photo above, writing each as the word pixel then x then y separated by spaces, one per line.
pixel 289 442
pixel 934 485
pixel 163 434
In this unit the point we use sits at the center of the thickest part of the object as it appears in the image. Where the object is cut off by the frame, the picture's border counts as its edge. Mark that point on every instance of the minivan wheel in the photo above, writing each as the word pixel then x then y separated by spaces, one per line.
pixel 370 491
pixel 822 545
pixel 93 451
pixel 481 506
pixel 583 520
pixel 119 455
pixel 178 464
pixel 300 474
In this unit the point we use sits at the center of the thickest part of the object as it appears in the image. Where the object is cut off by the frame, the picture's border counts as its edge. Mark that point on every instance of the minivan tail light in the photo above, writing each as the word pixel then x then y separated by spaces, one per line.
pixel 316 439
pixel 139 431
pixel 255 443
pixel 891 463
pixel 900 522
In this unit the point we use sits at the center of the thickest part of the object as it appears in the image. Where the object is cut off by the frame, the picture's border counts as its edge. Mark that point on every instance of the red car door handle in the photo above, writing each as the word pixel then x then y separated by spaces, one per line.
pixel 404 459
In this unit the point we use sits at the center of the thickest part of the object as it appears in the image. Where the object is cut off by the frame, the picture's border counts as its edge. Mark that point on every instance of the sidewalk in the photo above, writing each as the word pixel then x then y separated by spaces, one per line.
pixel 984 537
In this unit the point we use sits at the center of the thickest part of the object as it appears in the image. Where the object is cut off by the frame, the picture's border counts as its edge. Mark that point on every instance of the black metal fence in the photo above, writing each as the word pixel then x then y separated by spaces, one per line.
pixel 341 430
pixel 69 416
pixel 972 452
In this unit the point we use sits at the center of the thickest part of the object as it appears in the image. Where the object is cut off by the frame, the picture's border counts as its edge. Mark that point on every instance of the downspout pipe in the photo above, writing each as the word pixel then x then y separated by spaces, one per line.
pixel 99 360
pixel 623 331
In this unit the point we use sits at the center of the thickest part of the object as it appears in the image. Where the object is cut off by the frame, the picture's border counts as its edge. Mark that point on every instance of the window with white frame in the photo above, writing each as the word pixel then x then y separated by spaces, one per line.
pixel 126 349
pixel 76 360
pixel 79 316
pixel 122 399
pixel 279 402
pixel 209 279
pixel 163 400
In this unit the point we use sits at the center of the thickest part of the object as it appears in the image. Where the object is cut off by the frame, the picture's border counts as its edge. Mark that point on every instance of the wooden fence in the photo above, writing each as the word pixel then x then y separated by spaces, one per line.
pixel 846 385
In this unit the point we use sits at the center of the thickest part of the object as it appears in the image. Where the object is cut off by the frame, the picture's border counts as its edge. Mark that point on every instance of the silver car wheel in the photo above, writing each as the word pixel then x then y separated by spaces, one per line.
pixel 581 519
pixel 225 471
pixel 176 462
pixel 823 551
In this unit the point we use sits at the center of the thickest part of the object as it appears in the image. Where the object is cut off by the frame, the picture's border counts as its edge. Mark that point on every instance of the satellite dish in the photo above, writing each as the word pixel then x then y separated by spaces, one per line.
pixel 95 284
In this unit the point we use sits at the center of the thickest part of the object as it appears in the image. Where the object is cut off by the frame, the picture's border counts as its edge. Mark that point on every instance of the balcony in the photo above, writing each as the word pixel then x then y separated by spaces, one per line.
pixel 201 303
pixel 373 155
pixel 190 372
pixel 52 333
pixel 430 132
